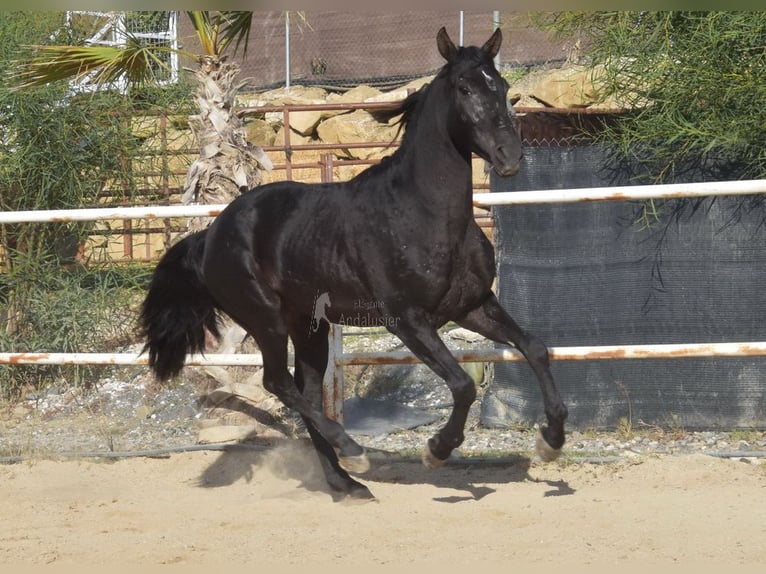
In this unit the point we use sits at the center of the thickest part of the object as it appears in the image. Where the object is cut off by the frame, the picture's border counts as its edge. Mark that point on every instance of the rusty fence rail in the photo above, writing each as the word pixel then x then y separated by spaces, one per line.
pixel 333 382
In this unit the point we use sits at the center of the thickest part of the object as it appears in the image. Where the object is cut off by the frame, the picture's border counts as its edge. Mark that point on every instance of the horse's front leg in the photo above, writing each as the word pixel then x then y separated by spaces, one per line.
pixel 424 341
pixel 493 322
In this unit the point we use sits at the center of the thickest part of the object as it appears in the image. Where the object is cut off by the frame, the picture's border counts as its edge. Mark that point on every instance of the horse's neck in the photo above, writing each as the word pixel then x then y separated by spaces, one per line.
pixel 438 170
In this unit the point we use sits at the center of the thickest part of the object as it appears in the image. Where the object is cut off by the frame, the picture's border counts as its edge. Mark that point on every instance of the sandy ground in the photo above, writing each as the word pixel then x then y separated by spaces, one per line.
pixel 261 508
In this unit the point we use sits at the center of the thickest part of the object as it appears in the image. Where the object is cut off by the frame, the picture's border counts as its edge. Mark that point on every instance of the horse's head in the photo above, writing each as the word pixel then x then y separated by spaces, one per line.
pixel 486 120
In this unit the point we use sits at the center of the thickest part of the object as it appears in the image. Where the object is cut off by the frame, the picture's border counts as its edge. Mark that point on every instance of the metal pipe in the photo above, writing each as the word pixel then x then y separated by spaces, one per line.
pixel 232 359
pixel 621 193
pixel 672 190
pixel 101 213
pixel 287 50
pixel 584 353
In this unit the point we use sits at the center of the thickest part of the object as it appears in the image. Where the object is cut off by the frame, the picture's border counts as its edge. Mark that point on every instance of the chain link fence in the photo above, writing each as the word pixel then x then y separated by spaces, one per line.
pixel 340 50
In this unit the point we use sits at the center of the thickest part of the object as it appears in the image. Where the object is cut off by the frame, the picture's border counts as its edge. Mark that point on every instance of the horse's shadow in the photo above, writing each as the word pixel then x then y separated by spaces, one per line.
pixel 295 460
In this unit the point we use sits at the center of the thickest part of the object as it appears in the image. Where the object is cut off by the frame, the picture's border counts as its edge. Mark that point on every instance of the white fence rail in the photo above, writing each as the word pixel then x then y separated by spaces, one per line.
pixel 631 192
pixel 333 379
pixel 105 213
pixel 584 194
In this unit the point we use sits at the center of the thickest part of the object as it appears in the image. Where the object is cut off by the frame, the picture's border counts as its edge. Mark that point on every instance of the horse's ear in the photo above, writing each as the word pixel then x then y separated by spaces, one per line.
pixel 492 46
pixel 446 47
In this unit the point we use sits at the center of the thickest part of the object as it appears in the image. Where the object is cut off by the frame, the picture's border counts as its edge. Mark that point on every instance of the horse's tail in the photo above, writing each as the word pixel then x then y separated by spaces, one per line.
pixel 178 308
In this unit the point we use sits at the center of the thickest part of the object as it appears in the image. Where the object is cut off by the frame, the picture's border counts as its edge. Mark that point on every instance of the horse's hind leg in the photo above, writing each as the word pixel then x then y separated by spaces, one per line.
pixel 310 364
pixel 492 321
pixel 270 334
pixel 259 310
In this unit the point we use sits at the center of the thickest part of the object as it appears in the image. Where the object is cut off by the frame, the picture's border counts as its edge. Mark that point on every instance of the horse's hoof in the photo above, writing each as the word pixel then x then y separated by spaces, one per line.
pixel 430 460
pixel 545 451
pixel 358 464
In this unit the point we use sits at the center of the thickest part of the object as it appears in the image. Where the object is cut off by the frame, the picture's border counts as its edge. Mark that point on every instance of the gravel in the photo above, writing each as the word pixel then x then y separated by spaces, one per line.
pixel 131 413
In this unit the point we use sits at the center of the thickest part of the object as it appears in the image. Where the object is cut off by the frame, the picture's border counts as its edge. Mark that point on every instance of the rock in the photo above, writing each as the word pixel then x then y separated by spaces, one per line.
pixel 564 88
pixel 465 335
pixel 400 93
pixel 253 393
pixel 362 93
pixel 356 127
pixel 570 87
pixel 295 138
pixel 144 412
pixel 304 123
pixel 301 122
pixel 296 95
pixel 260 132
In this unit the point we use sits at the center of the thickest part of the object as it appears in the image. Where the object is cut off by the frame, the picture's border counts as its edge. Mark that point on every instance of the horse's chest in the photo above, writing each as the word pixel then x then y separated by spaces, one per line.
pixel 454 284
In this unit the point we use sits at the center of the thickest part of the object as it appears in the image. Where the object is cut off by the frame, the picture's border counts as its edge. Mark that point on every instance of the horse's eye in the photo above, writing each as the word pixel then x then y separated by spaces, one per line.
pixel 465 90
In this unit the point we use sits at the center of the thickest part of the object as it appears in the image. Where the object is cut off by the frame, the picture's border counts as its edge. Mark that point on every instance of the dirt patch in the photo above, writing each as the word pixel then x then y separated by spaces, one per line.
pixel 270 507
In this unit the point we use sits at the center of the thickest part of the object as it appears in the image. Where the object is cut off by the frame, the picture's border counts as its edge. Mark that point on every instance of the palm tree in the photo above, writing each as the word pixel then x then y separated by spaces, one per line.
pixel 228 163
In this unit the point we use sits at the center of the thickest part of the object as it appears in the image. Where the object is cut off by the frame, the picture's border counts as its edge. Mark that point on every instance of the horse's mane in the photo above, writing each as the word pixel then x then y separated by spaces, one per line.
pixel 409 107
pixel 406 109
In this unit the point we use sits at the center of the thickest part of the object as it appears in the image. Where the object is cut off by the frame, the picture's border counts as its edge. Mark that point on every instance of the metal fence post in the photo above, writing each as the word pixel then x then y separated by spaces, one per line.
pixel 332 383
pixel 287 50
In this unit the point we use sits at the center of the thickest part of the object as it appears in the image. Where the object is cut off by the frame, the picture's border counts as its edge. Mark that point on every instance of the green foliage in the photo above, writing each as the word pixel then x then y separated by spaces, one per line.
pixel 217 30
pixel 693 85
pixel 695 81
pixel 76 309
pixel 59 150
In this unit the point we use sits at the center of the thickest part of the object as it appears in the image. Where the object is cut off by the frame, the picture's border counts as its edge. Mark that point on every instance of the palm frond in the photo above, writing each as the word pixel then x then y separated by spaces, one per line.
pixel 236 28
pixel 206 32
pixel 136 63
pixel 217 30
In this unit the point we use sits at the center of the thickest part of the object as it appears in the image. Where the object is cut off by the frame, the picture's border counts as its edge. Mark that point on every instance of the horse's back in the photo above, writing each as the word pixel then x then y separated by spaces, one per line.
pixel 282 237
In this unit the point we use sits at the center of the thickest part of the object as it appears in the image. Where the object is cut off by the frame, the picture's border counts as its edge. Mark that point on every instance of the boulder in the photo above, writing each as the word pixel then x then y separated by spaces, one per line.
pixel 304 122
pixel 362 93
pixel 296 94
pixel 260 132
pixel 301 122
pixel 400 93
pixel 569 87
pixel 560 88
pixel 356 127
pixel 295 138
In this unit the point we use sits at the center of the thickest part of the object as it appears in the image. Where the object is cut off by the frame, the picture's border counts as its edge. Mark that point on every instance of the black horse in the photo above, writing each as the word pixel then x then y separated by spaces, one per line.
pixel 397 244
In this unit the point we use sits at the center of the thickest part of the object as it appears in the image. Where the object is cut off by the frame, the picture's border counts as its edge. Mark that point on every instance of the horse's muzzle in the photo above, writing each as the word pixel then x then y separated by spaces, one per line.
pixel 507 170
pixel 507 160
